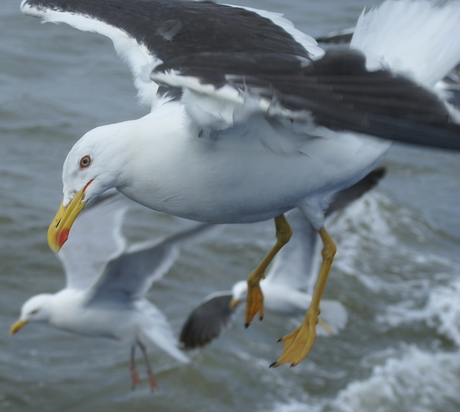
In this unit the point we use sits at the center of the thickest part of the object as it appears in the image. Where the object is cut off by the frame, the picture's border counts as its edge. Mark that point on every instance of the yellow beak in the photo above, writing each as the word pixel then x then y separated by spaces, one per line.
pixel 59 229
pixel 17 325
pixel 233 303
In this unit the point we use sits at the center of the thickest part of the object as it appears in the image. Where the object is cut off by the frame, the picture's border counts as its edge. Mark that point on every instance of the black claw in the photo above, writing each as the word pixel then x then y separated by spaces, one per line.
pixel 273 365
pixel 293 364
pixel 246 325
pixel 261 318
pixel 279 340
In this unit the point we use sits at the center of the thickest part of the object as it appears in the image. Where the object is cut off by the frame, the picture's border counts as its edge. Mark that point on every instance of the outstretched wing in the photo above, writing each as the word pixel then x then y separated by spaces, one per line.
pixel 94 240
pixel 131 275
pixel 228 63
pixel 110 19
pixel 148 33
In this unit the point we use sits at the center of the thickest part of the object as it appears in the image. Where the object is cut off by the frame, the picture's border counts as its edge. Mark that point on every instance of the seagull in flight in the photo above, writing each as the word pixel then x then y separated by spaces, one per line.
pixel 106 284
pixel 250 118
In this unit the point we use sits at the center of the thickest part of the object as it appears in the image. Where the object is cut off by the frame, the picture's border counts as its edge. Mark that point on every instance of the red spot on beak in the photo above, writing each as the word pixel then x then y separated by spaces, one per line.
pixel 62 236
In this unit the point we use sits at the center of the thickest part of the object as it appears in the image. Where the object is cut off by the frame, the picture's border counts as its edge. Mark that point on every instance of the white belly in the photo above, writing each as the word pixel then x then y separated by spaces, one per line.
pixel 235 179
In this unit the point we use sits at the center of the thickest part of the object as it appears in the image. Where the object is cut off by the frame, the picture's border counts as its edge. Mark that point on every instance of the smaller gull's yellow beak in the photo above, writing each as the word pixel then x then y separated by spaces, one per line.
pixel 17 325
pixel 233 303
pixel 59 229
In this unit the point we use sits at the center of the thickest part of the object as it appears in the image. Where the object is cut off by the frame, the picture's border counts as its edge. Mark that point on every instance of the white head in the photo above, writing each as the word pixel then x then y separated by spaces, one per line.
pixel 93 165
pixel 239 290
pixel 93 162
pixel 37 308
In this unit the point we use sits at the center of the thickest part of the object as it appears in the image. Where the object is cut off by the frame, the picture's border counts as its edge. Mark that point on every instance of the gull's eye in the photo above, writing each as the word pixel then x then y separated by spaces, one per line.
pixel 34 312
pixel 85 161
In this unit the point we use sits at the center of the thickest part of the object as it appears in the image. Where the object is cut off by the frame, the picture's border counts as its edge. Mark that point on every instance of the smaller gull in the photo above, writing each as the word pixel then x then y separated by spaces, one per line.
pixel 107 282
pixel 286 284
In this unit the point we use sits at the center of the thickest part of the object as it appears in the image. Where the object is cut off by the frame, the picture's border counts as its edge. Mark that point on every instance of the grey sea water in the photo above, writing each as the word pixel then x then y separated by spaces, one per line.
pixel 397 269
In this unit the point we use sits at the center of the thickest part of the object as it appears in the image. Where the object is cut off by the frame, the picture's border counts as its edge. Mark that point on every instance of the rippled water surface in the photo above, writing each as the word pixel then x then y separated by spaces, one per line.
pixel 397 269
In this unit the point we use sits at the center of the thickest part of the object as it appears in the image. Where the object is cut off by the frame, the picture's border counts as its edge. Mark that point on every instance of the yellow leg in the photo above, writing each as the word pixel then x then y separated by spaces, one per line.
pixel 298 343
pixel 254 297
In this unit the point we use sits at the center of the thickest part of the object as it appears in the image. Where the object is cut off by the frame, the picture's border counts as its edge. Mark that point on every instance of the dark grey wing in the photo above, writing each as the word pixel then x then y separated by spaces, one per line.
pixel 207 321
pixel 95 239
pixel 343 198
pixel 147 33
pixel 131 275
pixel 450 85
pixel 295 262
pixel 235 55
pixel 337 37
pixel 340 93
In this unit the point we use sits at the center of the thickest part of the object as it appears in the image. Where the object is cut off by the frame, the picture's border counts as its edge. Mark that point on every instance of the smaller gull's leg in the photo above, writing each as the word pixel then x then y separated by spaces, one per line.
pixel 298 343
pixel 132 368
pixel 254 297
pixel 151 376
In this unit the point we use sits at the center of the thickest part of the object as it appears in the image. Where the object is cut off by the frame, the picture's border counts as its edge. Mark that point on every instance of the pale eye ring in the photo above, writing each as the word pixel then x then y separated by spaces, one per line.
pixel 85 161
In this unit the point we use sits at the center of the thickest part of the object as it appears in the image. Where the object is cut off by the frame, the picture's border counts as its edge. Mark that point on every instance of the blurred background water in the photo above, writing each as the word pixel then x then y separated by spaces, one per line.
pixel 397 268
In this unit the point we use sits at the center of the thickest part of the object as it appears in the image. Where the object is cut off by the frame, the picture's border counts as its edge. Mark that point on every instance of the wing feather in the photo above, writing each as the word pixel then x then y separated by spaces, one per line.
pixel 94 240
pixel 130 275
pixel 233 62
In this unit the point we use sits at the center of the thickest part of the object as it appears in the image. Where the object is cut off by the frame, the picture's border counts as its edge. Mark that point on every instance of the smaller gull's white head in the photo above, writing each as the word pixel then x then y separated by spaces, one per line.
pixel 37 309
pixel 239 290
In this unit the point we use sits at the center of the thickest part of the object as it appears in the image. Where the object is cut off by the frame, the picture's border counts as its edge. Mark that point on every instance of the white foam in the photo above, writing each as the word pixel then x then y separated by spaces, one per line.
pixel 414 380
pixel 441 311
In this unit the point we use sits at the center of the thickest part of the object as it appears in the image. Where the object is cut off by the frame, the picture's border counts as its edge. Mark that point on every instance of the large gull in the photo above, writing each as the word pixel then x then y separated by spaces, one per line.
pixel 250 118
pixel 106 283
pixel 287 285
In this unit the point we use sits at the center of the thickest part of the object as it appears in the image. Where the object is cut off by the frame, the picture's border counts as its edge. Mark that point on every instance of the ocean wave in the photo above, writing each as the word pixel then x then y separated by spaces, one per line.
pixel 412 380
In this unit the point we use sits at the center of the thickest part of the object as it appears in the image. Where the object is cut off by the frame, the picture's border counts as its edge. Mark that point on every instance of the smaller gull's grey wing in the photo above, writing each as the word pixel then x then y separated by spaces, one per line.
pixel 207 321
pixel 293 265
pixel 94 240
pixel 131 275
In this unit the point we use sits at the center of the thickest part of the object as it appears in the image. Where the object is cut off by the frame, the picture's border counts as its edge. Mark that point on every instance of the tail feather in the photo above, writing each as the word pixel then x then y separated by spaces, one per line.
pixel 156 329
pixel 334 315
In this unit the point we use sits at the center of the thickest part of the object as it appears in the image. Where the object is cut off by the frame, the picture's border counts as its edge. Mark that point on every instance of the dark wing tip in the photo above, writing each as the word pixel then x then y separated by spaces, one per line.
pixel 207 321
